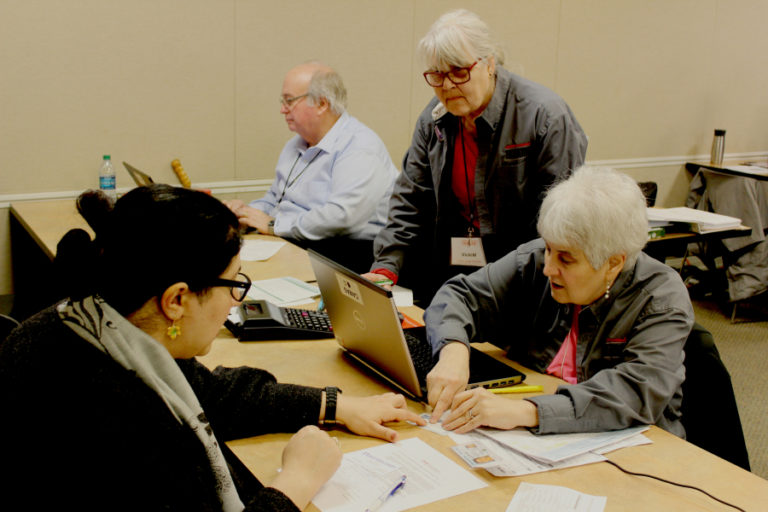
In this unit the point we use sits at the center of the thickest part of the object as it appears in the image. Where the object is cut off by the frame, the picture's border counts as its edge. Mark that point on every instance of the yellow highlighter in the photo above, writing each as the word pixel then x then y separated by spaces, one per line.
pixel 517 389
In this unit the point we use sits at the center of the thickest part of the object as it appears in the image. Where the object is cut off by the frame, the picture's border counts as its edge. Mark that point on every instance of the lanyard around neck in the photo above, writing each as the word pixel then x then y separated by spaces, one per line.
pixel 288 182
pixel 470 198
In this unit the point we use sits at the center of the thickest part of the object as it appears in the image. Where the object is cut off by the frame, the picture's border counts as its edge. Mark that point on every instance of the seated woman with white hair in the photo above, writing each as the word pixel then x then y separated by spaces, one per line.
pixel 582 303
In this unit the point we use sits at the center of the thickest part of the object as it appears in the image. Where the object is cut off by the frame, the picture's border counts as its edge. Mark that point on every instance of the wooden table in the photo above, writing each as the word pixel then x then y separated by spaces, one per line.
pixel 320 363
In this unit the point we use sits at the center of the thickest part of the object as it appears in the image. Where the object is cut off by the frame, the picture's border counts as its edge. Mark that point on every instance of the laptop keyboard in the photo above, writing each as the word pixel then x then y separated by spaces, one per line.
pixel 421 353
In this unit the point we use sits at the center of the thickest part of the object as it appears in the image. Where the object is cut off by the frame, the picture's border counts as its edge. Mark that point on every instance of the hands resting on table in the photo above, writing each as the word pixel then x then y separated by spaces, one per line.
pixel 311 457
pixel 249 216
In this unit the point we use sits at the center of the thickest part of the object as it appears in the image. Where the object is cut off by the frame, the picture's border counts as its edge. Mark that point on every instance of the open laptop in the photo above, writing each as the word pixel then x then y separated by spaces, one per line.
pixel 367 326
pixel 141 179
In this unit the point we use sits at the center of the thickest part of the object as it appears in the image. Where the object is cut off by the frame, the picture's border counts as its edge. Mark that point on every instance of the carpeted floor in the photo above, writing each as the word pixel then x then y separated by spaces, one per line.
pixel 743 347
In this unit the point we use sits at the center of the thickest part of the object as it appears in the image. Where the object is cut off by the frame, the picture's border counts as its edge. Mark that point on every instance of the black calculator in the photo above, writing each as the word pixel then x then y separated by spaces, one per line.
pixel 257 320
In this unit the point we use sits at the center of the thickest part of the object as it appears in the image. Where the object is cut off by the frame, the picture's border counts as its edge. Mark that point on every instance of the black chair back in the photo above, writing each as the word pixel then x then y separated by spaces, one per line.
pixel 7 324
pixel 650 189
pixel 710 414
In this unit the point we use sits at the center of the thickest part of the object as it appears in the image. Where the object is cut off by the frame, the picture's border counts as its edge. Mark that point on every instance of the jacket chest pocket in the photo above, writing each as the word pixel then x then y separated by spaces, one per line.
pixel 514 153
pixel 611 353
pixel 512 164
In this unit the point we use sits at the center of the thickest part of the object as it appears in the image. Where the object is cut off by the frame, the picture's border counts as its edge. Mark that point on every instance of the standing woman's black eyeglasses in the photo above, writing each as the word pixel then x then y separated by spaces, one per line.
pixel 238 288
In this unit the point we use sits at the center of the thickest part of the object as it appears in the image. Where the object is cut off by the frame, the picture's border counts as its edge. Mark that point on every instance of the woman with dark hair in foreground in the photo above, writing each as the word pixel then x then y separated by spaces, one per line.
pixel 104 405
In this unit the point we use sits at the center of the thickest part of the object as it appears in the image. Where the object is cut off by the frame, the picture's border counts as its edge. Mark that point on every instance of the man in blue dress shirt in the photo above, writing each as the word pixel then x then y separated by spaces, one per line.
pixel 333 179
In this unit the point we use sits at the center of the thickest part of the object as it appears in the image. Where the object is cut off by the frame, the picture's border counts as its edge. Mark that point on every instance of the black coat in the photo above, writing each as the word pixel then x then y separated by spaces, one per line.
pixel 83 431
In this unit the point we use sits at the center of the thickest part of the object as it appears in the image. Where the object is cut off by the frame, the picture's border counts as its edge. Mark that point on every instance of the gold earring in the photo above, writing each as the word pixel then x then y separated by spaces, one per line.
pixel 173 331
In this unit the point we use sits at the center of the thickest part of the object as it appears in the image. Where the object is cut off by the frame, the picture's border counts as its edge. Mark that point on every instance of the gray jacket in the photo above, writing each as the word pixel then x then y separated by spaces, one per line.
pixel 629 350
pixel 527 138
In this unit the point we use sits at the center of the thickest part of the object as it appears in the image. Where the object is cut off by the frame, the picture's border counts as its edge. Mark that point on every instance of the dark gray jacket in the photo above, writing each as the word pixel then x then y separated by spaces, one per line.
pixel 527 138
pixel 629 351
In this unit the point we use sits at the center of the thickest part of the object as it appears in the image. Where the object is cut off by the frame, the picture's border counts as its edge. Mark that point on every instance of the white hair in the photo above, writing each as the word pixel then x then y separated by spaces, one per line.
pixel 457 39
pixel 598 210
pixel 326 83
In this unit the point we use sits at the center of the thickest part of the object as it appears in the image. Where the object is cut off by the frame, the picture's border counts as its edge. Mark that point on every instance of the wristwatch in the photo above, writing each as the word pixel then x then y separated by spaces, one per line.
pixel 271 227
pixel 331 396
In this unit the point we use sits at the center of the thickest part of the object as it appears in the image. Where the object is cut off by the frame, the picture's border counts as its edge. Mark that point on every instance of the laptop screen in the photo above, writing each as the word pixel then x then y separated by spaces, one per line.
pixel 366 324
pixel 141 179
pixel 365 321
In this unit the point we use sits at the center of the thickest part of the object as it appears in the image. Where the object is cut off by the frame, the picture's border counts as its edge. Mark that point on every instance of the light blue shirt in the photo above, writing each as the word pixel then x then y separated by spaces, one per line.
pixel 339 187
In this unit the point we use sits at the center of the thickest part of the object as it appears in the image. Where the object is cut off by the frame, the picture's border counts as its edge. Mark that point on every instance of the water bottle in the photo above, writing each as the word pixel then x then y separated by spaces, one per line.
pixel 718 148
pixel 107 178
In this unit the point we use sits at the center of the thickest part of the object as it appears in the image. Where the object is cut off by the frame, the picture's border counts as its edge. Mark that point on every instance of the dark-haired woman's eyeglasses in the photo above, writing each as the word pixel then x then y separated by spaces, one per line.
pixel 238 288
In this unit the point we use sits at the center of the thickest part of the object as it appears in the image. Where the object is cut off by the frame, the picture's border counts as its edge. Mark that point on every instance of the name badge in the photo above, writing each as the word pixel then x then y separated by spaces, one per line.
pixel 467 252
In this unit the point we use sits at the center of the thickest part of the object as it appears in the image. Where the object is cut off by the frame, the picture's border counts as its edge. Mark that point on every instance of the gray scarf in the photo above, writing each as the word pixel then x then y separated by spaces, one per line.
pixel 99 324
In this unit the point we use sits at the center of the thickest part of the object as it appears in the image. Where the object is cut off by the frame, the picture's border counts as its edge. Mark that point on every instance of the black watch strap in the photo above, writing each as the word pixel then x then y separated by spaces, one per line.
pixel 331 397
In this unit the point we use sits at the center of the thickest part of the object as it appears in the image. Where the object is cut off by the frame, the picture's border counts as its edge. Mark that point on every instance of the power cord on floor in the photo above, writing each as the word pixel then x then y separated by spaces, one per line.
pixel 673 483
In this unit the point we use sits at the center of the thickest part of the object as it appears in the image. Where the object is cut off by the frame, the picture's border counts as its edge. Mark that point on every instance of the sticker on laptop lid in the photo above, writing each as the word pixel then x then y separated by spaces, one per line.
pixel 349 289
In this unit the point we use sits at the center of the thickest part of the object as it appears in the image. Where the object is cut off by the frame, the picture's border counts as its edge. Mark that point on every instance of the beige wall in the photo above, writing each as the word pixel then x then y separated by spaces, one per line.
pixel 198 80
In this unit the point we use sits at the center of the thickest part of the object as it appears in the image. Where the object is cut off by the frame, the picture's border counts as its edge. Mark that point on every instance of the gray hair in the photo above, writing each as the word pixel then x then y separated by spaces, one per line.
pixel 326 83
pixel 457 39
pixel 598 210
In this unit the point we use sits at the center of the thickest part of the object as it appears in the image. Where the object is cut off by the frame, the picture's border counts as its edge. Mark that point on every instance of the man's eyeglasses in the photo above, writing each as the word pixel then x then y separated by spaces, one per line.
pixel 237 288
pixel 288 102
pixel 457 76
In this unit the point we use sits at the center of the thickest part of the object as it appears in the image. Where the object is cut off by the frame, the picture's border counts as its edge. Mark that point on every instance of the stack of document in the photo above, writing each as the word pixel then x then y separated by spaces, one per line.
pixel 518 452
pixel 750 169
pixel 697 221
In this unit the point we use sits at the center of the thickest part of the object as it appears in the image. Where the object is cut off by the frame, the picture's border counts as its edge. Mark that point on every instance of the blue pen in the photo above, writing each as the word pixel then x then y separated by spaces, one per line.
pixel 376 505
pixel 321 305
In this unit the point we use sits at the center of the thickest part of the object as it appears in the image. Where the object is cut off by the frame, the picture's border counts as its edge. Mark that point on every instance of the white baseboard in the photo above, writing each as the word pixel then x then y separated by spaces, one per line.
pixel 216 187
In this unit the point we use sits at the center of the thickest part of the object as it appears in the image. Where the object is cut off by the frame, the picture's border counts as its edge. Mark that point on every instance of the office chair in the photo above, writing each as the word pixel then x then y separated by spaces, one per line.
pixel 650 189
pixel 7 324
pixel 710 415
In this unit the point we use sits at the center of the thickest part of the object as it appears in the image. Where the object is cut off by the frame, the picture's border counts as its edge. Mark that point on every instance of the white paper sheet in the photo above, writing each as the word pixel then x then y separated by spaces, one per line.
pixel 553 498
pixel 259 250
pixel 403 296
pixel 365 474
pixel 436 428
pixel 283 291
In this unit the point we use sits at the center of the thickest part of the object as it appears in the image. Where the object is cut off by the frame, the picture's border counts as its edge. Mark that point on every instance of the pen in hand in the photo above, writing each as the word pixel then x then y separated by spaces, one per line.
pixel 376 505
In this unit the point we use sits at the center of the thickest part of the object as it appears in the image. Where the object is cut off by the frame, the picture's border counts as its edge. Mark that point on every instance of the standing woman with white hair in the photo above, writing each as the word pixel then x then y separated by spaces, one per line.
pixel 483 152
pixel 583 303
